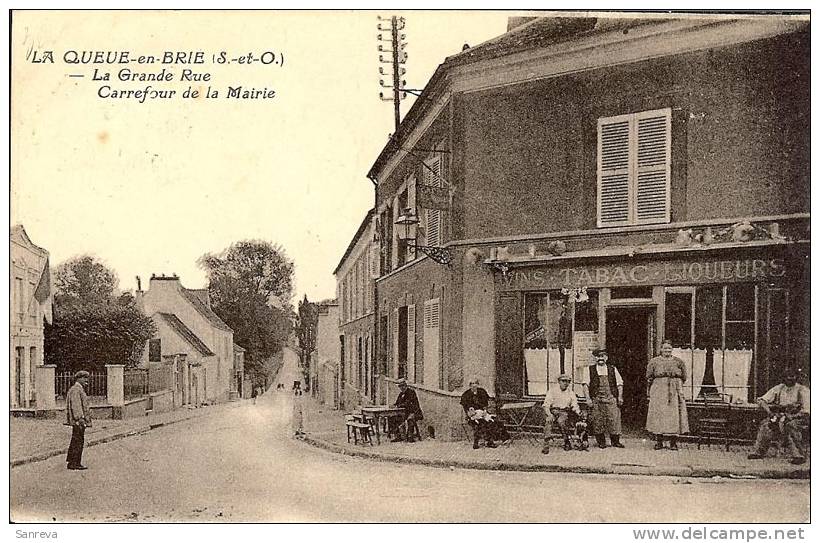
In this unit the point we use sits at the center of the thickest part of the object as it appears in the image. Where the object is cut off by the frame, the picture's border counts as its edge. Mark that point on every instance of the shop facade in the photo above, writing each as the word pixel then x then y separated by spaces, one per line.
pixel 737 316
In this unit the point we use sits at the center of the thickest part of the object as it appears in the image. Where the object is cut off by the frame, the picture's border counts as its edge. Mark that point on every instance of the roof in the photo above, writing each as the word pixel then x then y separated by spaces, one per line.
pixel 195 297
pixel 202 294
pixel 239 349
pixel 17 231
pixel 356 237
pixel 185 333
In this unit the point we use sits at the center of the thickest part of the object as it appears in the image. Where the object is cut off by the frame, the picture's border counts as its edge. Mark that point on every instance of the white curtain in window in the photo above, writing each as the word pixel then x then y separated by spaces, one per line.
pixel 736 367
pixel 536 361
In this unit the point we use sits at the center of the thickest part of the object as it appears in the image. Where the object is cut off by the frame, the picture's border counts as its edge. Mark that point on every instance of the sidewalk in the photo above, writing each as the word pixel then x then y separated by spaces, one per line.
pixel 32 440
pixel 326 429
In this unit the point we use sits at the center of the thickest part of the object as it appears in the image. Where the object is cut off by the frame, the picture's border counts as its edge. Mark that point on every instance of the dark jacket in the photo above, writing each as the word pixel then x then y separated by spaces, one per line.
pixel 479 400
pixel 410 402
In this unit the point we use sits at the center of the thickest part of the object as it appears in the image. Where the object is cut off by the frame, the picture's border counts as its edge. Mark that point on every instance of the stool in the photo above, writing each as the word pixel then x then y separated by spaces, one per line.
pixel 357 429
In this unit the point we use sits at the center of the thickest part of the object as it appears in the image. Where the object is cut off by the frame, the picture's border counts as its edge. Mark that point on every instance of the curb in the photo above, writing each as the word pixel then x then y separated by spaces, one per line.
pixel 615 469
pixel 98 441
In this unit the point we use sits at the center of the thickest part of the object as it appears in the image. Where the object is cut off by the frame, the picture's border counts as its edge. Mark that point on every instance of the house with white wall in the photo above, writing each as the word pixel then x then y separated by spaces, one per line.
pixel 30 302
pixel 187 325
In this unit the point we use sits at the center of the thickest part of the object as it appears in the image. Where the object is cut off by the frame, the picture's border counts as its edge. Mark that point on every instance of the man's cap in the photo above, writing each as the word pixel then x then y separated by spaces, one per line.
pixel 564 377
pixel 81 373
pixel 599 350
pixel 401 382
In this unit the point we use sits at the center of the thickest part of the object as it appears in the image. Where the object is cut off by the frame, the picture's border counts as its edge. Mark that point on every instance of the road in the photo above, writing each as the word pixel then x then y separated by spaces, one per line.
pixel 241 464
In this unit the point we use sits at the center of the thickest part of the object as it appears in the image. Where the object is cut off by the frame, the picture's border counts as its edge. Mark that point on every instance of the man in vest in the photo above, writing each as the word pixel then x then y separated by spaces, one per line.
pixel 78 416
pixel 604 389
pixel 788 409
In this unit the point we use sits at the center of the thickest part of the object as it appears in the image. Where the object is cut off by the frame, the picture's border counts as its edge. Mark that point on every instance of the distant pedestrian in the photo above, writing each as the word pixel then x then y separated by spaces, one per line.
pixel 78 416
pixel 666 416
pixel 298 419
pixel 254 394
pixel 605 393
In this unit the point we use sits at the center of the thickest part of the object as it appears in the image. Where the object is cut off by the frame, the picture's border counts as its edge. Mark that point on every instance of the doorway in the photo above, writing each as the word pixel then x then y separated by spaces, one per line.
pixel 630 334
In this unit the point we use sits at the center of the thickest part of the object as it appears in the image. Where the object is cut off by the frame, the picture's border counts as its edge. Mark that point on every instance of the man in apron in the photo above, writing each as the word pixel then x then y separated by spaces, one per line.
pixel 604 390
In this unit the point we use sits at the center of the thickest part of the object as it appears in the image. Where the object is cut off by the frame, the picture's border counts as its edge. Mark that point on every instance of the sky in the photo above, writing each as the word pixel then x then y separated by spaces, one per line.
pixel 150 187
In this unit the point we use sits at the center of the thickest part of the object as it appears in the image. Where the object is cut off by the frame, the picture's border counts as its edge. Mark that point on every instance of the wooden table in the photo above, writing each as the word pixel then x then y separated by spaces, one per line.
pixel 515 417
pixel 378 413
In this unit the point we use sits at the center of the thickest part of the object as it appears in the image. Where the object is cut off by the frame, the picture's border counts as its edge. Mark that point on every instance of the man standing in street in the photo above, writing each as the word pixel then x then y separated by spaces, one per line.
pixel 605 393
pixel 78 415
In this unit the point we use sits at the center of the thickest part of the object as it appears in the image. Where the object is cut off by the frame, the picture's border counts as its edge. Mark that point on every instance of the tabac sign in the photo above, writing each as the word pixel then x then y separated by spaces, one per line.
pixel 647 273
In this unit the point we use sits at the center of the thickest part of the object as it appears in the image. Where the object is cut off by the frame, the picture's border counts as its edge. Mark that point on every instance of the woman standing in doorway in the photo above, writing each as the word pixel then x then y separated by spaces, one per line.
pixel 665 375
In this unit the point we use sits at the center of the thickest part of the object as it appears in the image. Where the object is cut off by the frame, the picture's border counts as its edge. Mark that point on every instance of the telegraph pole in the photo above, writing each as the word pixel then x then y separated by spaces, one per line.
pixel 398 56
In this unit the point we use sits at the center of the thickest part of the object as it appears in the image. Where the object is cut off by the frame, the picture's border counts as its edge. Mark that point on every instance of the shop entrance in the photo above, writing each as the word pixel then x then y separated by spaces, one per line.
pixel 630 333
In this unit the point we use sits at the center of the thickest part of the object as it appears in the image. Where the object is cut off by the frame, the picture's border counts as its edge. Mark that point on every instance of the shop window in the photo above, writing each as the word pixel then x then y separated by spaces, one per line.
pixel 549 336
pixel 678 319
pixel 634 166
pixel 720 357
pixel 586 313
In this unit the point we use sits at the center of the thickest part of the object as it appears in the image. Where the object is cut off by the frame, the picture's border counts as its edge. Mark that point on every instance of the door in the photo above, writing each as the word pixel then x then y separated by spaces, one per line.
pixel 629 339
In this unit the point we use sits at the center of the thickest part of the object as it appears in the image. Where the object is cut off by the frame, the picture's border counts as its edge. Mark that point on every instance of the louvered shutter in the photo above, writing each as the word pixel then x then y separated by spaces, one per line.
pixel 395 337
pixel 432 343
pixel 654 129
pixel 614 171
pixel 411 343
pixel 432 177
pixel 634 167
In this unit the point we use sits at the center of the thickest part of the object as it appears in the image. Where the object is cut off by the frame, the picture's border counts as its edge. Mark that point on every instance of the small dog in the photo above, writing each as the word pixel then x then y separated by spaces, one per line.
pixel 582 432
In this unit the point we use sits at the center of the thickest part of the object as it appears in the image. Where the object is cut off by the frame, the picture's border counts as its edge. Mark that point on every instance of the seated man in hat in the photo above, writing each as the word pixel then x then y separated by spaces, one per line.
pixel 787 408
pixel 408 400
pixel 475 402
pixel 560 405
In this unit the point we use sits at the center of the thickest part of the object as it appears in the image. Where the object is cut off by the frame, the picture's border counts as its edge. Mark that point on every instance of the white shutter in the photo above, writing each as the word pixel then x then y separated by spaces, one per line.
pixel 411 343
pixel 634 168
pixel 654 150
pixel 432 343
pixel 614 171
pixel 432 223
pixel 395 337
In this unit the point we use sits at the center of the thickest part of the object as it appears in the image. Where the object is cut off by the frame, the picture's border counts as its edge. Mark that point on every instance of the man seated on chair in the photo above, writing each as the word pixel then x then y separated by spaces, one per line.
pixel 408 400
pixel 787 408
pixel 560 405
pixel 475 401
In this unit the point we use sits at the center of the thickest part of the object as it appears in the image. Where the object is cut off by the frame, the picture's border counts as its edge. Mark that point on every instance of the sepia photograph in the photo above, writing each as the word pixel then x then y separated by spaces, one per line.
pixel 410 266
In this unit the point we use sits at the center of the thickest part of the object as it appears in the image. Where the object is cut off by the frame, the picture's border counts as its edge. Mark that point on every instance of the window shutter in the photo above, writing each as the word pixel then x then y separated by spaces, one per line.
pixel 432 177
pixel 432 343
pixel 411 343
pixel 634 168
pixel 395 338
pixel 613 171
pixel 654 151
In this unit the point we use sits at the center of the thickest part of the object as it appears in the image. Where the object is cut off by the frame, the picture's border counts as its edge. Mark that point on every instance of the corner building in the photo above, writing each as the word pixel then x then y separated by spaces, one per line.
pixel 585 181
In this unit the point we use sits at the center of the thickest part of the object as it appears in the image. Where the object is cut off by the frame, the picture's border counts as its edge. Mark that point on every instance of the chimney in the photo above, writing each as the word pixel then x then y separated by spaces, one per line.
pixel 139 284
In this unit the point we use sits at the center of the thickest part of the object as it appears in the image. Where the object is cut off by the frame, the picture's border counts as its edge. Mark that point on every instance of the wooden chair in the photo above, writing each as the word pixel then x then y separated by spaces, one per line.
pixel 714 425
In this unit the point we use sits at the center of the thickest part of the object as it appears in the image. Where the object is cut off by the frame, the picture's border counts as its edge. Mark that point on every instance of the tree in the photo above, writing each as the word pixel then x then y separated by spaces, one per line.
pixel 93 326
pixel 244 283
pixel 308 322
pixel 83 279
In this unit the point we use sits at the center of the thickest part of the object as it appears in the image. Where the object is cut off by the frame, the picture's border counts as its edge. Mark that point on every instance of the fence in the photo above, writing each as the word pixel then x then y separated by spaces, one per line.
pixel 97 384
pixel 135 383
pixel 160 377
